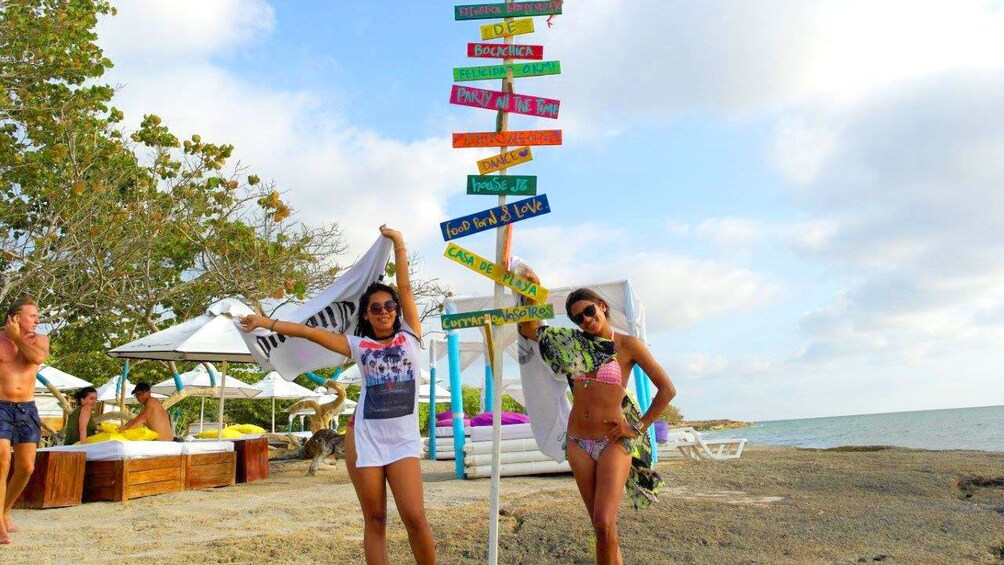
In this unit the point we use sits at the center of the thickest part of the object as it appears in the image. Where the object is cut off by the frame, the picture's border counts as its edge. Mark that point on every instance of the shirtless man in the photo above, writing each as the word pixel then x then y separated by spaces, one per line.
pixel 152 414
pixel 22 352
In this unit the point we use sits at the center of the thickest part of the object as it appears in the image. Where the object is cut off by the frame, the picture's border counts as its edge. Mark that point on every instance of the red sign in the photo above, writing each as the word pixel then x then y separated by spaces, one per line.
pixel 503 51
pixel 505 101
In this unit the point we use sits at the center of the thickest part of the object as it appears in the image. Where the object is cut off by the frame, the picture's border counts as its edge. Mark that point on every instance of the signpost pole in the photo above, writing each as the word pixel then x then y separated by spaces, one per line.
pixel 503 243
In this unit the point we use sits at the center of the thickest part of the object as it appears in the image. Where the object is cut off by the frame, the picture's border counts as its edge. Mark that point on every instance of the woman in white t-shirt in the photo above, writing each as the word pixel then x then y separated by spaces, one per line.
pixel 382 445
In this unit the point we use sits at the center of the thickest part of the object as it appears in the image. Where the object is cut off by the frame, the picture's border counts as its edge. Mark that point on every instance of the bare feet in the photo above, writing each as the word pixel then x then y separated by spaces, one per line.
pixel 4 538
pixel 11 528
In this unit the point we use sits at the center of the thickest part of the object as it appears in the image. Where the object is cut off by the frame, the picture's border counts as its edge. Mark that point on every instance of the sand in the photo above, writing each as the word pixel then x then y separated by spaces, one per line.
pixel 775 505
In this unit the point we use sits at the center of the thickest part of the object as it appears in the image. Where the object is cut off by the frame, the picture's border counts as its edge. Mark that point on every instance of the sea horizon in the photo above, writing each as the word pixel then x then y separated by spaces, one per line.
pixel 973 428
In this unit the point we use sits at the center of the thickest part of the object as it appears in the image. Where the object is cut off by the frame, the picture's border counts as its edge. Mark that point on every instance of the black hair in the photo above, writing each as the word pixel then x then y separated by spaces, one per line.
pixel 81 394
pixel 585 294
pixel 141 387
pixel 364 328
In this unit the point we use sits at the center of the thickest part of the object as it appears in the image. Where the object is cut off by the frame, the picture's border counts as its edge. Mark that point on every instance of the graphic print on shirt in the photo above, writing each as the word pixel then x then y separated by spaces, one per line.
pixel 390 379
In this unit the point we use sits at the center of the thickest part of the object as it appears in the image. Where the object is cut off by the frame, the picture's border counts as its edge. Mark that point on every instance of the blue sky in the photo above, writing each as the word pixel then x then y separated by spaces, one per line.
pixel 804 194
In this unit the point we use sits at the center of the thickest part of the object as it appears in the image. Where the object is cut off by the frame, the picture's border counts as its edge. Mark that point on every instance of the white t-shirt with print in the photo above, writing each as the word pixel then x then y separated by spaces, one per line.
pixel 386 418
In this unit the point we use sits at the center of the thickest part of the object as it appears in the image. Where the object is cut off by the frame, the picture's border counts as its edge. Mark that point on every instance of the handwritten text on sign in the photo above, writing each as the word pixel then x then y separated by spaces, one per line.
pixel 505 160
pixel 499 72
pixel 499 316
pixel 511 10
pixel 507 138
pixel 507 29
pixel 495 217
pixel 504 101
pixel 483 266
pixel 505 51
pixel 495 185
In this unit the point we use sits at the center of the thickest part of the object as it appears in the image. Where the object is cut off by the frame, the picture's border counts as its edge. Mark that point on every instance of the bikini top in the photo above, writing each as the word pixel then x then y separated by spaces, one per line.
pixel 609 373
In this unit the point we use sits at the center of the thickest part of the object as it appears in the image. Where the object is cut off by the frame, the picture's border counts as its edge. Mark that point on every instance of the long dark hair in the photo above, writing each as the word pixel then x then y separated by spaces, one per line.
pixel 81 394
pixel 585 294
pixel 363 327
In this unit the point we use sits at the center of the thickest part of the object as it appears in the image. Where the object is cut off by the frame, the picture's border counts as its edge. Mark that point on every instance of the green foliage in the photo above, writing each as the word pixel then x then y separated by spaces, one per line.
pixel 672 416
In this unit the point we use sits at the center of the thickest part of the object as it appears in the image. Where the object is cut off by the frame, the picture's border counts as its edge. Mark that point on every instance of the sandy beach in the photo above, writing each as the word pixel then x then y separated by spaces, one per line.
pixel 776 505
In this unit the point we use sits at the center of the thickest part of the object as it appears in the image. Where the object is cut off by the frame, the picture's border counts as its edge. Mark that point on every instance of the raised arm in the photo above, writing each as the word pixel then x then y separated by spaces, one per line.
pixel 34 347
pixel 529 329
pixel 408 307
pixel 666 391
pixel 333 341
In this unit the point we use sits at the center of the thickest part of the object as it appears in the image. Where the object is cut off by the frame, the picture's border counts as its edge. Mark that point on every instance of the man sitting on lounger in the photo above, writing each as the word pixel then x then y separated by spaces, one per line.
pixel 152 414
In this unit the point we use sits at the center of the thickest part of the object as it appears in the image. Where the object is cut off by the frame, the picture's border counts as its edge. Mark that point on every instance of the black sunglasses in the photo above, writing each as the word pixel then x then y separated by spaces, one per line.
pixel 377 308
pixel 587 311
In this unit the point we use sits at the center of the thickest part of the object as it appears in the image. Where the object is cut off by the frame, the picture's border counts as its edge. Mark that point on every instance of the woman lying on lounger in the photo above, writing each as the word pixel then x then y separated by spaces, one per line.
pixel 382 444
pixel 606 440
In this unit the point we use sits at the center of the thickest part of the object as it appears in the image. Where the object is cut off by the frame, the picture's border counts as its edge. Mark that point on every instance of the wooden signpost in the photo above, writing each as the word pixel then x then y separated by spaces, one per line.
pixel 507 138
pixel 504 101
pixel 505 51
pixel 498 185
pixel 498 72
pixel 483 266
pixel 507 28
pixel 495 217
pixel 499 316
pixel 508 10
pixel 505 160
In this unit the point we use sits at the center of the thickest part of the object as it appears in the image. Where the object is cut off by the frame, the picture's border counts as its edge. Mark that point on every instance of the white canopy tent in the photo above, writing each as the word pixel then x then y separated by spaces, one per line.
pixel 59 379
pixel 213 336
pixel 274 386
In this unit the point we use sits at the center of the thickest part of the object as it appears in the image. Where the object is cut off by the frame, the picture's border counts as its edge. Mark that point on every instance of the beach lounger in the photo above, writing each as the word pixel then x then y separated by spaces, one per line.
pixel 209 464
pixel 58 481
pixel 117 471
pixel 691 444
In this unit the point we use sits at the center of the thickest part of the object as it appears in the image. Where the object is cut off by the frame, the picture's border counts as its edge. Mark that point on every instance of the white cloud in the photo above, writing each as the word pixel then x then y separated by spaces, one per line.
pixel 731 231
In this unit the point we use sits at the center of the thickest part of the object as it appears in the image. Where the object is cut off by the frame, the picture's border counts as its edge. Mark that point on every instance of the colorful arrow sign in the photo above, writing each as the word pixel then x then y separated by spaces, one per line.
pixel 498 72
pixel 505 51
pixel 507 138
pixel 495 185
pixel 495 217
pixel 505 101
pixel 505 160
pixel 499 316
pixel 483 266
pixel 507 28
pixel 512 10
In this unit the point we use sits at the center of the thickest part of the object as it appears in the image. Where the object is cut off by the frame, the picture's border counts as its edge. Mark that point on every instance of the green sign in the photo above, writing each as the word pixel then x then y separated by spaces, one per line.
pixel 511 185
pixel 498 72
pixel 499 316
pixel 513 10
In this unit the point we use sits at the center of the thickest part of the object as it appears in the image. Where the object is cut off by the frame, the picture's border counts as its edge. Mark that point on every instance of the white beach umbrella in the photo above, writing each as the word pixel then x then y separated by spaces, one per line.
pixel 442 394
pixel 108 392
pixel 205 381
pixel 59 379
pixel 209 337
pixel 274 386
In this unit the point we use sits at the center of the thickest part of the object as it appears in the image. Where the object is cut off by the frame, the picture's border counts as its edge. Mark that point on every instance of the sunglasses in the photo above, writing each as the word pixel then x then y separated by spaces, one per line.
pixel 377 308
pixel 587 311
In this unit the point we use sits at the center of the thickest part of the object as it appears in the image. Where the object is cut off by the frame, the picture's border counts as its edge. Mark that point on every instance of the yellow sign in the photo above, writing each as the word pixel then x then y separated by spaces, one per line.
pixel 491 270
pixel 507 29
pixel 505 160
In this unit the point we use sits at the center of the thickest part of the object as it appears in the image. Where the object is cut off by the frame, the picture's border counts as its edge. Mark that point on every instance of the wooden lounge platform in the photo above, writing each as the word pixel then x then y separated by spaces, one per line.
pixel 252 459
pixel 120 471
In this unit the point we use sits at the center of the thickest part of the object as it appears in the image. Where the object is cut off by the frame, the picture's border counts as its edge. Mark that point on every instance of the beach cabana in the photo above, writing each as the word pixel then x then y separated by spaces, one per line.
pixel 274 386
pixel 211 337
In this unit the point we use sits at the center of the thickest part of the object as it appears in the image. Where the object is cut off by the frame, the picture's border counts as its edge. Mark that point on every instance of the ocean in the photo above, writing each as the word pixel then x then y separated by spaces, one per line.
pixel 958 428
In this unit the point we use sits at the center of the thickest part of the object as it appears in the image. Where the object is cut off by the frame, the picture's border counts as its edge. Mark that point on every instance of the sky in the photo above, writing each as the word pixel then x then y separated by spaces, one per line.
pixel 804 194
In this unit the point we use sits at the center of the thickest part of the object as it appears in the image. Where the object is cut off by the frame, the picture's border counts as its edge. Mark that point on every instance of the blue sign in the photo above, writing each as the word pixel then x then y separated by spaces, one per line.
pixel 495 217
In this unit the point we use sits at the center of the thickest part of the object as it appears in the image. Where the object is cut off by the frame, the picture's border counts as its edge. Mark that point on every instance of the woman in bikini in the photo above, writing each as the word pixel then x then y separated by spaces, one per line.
pixel 382 444
pixel 606 439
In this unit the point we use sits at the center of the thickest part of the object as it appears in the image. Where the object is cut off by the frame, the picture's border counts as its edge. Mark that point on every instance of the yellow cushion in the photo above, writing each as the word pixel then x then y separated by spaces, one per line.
pixel 247 428
pixel 108 427
pixel 141 433
pixel 212 434
pixel 104 436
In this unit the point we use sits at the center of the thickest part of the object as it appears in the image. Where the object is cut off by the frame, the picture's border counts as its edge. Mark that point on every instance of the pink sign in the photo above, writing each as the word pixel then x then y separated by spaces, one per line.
pixel 504 101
